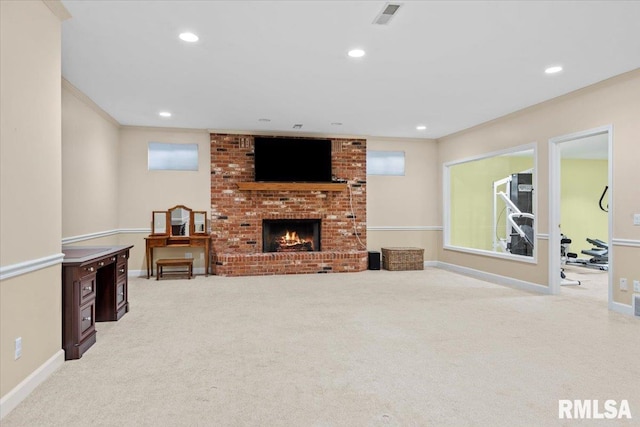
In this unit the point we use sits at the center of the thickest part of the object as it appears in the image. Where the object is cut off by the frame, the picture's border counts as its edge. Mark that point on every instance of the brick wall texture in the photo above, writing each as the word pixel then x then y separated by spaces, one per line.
pixel 236 216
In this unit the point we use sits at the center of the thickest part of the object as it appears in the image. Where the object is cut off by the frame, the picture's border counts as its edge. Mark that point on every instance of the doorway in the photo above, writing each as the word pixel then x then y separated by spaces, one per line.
pixel 580 220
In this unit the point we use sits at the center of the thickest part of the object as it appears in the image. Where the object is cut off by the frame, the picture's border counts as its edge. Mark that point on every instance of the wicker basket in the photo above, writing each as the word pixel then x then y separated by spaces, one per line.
pixel 399 259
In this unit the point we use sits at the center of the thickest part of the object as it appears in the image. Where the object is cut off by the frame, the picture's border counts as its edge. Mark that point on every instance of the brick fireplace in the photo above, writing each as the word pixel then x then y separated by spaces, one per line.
pixel 238 213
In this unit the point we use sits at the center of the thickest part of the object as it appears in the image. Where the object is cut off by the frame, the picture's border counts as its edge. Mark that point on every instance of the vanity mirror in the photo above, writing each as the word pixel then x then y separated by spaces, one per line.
pixel 159 223
pixel 489 204
pixel 178 226
pixel 180 217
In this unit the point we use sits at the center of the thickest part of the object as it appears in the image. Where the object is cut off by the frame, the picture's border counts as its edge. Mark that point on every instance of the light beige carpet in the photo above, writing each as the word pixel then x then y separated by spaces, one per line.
pixel 376 348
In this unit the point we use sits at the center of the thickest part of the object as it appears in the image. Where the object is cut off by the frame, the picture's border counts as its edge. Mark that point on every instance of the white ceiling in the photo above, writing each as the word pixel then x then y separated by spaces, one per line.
pixel 447 64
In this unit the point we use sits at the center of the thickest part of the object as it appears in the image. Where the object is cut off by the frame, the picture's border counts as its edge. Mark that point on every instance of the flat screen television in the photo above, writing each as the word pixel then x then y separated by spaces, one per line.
pixel 292 160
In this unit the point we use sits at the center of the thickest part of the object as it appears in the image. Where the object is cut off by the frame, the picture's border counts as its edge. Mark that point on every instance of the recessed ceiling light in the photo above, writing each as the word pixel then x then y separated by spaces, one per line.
pixel 553 70
pixel 356 53
pixel 336 124
pixel 188 37
pixel 164 114
pixel 264 120
pixel 421 127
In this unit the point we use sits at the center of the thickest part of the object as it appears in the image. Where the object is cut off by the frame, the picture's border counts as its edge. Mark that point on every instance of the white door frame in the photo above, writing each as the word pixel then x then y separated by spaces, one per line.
pixel 554 205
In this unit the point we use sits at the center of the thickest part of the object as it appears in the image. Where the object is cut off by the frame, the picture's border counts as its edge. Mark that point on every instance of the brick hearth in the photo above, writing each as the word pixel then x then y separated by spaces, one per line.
pixel 236 227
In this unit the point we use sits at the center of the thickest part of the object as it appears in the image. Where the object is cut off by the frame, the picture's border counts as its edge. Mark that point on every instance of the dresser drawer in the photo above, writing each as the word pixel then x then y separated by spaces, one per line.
pixel 106 261
pixel 121 271
pixel 87 291
pixel 86 320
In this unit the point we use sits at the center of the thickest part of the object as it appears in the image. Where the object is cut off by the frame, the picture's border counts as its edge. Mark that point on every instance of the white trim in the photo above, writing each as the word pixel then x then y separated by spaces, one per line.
pixel 626 242
pixel 621 308
pixel 89 102
pixel 542 236
pixel 134 230
pixel 25 267
pixel 554 204
pixel 495 278
pixel 58 9
pixel 405 228
pixel 446 203
pixel 13 398
pixel 99 234
pixel 431 264
pixel 143 273
pixel 90 236
pixel 501 255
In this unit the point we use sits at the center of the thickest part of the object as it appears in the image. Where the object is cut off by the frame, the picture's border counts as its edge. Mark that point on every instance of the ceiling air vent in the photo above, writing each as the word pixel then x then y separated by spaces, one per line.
pixel 297 126
pixel 388 11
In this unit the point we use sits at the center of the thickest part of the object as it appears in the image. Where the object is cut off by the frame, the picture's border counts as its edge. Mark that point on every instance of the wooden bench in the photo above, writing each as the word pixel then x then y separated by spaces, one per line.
pixel 174 262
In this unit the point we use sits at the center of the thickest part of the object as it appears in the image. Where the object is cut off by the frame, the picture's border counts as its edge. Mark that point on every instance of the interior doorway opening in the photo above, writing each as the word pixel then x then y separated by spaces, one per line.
pixel 580 215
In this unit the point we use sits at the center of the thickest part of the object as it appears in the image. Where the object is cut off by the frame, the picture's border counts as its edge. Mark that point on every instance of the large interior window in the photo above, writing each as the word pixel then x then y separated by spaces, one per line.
pixel 490 204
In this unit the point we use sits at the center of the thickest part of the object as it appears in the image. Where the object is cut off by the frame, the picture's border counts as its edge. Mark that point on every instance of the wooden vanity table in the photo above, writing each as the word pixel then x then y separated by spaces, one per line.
pixel 94 289
pixel 176 227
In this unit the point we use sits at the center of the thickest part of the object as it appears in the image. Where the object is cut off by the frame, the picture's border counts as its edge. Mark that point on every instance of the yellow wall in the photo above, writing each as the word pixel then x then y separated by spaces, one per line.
pixel 582 184
pixel 471 199
pixel 616 102
pixel 30 186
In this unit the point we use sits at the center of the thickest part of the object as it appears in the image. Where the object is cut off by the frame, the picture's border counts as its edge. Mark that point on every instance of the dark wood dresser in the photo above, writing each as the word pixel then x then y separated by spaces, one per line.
pixel 94 289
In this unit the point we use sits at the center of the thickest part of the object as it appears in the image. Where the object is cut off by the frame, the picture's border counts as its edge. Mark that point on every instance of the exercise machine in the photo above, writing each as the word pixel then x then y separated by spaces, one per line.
pixel 599 256
pixel 518 211
pixel 564 256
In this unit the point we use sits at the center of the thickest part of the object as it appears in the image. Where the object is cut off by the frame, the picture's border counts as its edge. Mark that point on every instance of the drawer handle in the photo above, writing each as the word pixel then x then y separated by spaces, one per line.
pixel 86 318
pixel 113 258
pixel 121 294
pixel 87 288
pixel 123 255
pixel 121 270
pixel 90 269
pixel 101 263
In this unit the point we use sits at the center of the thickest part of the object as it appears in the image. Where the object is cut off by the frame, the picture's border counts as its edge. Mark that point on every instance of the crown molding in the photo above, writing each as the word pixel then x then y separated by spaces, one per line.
pixel 58 9
pixel 88 102
pixel 285 133
pixel 559 99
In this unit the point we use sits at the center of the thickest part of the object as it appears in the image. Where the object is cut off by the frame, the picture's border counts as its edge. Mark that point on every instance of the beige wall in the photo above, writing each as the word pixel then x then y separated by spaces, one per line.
pixel 90 176
pixel 616 102
pixel 403 210
pixel 30 185
pixel 142 191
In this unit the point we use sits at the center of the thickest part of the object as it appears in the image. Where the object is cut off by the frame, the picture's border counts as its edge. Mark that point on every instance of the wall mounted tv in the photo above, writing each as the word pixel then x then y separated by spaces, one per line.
pixel 292 160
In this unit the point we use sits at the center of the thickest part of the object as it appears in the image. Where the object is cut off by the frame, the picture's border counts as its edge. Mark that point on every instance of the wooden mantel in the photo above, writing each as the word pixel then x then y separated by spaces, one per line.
pixel 292 186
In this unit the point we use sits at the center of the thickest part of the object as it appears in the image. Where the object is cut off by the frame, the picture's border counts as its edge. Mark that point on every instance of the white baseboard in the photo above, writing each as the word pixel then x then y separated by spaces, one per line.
pixel 143 273
pixel 495 278
pixel 12 399
pixel 431 263
pixel 621 308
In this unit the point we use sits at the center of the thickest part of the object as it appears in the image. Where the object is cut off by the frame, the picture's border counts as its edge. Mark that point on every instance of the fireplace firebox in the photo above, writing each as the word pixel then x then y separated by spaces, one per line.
pixel 290 235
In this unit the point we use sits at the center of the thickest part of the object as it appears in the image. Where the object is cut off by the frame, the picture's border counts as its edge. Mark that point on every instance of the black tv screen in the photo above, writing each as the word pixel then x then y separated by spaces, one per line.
pixel 292 160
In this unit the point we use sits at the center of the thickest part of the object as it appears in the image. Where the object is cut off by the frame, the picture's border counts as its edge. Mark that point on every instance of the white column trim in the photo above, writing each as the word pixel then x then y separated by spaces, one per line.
pixel 98 234
pixel 13 270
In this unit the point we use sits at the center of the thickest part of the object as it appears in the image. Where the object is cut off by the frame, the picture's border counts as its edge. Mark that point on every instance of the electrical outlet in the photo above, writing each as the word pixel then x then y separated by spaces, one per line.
pixel 18 350
pixel 202 255
pixel 636 219
pixel 188 255
pixel 636 286
pixel 623 284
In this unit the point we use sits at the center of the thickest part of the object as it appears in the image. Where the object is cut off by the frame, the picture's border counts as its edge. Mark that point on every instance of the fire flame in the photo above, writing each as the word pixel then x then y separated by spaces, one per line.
pixel 291 238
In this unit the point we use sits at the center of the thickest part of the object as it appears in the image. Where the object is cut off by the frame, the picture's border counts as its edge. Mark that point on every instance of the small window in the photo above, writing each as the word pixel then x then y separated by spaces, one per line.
pixel 385 163
pixel 176 157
